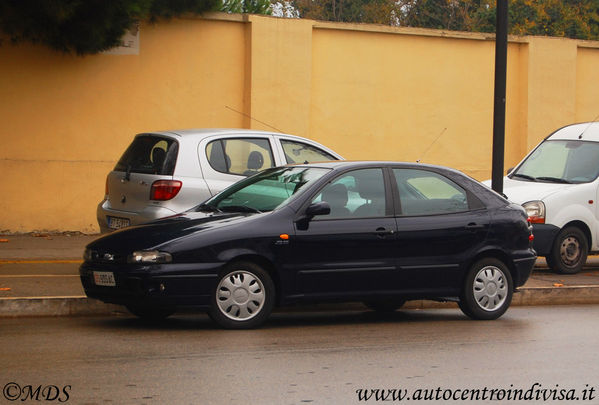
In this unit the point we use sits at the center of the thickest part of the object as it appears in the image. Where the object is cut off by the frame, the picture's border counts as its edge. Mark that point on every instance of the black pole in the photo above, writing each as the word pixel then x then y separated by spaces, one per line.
pixel 499 107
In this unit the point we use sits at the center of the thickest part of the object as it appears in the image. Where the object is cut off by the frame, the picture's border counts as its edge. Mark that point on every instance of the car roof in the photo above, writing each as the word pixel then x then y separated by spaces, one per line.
pixel 351 164
pixel 201 133
pixel 587 131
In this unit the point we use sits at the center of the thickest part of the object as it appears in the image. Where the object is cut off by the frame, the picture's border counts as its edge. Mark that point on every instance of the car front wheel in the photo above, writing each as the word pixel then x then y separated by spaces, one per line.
pixel 488 290
pixel 243 297
pixel 569 251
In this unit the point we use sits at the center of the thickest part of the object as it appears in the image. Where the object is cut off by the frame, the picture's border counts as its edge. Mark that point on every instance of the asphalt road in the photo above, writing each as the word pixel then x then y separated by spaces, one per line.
pixel 298 358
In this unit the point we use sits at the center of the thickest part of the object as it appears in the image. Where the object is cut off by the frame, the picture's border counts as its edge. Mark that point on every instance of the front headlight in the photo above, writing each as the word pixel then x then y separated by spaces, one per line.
pixel 535 211
pixel 88 255
pixel 149 256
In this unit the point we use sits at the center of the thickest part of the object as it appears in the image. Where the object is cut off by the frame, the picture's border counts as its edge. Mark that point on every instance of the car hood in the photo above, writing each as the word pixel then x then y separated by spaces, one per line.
pixel 523 191
pixel 154 234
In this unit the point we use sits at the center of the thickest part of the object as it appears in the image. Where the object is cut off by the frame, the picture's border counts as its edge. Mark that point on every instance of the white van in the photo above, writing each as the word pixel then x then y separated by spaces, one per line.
pixel 557 184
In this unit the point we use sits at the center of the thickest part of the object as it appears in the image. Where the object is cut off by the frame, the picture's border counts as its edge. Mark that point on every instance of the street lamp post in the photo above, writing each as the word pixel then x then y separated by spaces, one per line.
pixel 500 90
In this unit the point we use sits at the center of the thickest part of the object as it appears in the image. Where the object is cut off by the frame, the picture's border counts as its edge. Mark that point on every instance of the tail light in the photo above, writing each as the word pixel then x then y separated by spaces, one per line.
pixel 106 187
pixel 163 190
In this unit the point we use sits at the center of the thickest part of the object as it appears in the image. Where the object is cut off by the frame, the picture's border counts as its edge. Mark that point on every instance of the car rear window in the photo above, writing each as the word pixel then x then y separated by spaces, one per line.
pixel 149 154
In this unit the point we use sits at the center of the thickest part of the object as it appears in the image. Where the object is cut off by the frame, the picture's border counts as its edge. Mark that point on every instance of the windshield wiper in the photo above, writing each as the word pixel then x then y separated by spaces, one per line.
pixel 206 207
pixel 239 208
pixel 554 179
pixel 524 176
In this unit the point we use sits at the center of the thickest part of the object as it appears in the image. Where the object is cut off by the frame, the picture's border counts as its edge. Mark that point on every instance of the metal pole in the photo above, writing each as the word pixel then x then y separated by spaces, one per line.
pixel 499 107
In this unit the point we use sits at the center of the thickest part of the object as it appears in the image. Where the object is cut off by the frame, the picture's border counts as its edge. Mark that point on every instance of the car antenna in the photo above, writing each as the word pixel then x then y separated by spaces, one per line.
pixel 588 126
pixel 252 118
pixel 431 145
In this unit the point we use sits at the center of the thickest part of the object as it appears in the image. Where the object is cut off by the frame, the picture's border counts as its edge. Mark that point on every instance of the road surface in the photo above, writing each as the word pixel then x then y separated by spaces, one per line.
pixel 306 357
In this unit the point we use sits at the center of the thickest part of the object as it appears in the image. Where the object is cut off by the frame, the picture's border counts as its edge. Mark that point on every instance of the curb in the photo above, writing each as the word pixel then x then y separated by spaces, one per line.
pixel 54 306
pixel 81 305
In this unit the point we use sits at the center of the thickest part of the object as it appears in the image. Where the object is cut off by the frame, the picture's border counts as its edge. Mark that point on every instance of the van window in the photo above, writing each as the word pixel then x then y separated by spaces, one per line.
pixel 561 162
pixel 149 154
pixel 240 156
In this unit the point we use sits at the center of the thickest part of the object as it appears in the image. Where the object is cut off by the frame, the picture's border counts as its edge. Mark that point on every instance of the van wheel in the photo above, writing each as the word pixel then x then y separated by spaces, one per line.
pixel 488 290
pixel 569 251
pixel 243 297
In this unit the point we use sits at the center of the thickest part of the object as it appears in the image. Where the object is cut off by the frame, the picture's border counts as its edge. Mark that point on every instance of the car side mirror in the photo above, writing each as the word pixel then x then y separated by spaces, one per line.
pixel 320 208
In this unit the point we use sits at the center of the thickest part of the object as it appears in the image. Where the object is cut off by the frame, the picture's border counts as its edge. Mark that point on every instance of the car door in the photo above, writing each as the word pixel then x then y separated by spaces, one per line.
pixel 440 225
pixel 348 252
pixel 228 159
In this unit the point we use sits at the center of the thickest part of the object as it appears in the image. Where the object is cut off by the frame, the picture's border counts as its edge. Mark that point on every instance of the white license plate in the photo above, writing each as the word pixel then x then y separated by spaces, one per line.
pixel 104 278
pixel 118 223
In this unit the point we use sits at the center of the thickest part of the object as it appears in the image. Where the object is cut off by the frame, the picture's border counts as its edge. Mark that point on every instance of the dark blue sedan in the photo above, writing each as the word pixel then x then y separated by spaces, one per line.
pixel 377 232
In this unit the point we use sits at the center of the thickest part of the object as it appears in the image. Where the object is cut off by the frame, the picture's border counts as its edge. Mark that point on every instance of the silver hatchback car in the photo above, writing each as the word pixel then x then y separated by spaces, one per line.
pixel 164 173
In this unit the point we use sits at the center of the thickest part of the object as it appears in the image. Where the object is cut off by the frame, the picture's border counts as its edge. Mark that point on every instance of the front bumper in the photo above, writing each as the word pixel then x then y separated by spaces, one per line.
pixel 544 236
pixel 176 285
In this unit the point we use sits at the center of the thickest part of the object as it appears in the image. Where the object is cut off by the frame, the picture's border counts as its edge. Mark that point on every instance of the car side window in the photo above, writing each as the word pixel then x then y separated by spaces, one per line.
pixel 299 152
pixel 357 194
pixel 240 156
pixel 423 192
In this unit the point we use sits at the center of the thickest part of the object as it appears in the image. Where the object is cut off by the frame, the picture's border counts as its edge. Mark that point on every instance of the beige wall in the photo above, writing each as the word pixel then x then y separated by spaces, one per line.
pixel 369 92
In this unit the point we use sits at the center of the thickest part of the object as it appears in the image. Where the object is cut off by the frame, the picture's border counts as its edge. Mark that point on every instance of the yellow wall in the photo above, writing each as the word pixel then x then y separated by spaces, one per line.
pixel 369 92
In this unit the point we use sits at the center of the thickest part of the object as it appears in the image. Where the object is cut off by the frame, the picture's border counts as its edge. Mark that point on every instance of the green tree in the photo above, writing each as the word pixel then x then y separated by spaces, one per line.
pixel 569 18
pixel 362 11
pixel 86 26
pixel 247 6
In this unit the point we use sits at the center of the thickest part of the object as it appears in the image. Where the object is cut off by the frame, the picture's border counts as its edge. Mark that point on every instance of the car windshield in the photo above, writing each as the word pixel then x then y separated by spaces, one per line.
pixel 561 162
pixel 265 191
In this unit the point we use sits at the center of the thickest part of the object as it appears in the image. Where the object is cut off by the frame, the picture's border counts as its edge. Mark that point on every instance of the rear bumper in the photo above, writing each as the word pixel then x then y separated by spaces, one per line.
pixel 523 267
pixel 149 213
pixel 544 236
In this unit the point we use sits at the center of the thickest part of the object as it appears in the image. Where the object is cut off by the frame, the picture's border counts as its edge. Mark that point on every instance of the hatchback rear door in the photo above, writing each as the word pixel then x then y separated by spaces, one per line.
pixel 149 158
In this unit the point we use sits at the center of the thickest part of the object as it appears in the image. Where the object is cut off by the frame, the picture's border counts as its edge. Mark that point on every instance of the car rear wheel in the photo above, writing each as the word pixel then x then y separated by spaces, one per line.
pixel 243 297
pixel 150 313
pixel 488 290
pixel 385 305
pixel 569 251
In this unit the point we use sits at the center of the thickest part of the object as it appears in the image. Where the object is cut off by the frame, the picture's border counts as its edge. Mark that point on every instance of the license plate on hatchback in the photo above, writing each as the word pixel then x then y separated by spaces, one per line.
pixel 118 223
pixel 104 278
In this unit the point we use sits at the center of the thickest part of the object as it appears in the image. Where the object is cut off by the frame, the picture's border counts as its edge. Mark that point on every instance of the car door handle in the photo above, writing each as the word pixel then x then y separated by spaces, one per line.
pixel 382 232
pixel 472 226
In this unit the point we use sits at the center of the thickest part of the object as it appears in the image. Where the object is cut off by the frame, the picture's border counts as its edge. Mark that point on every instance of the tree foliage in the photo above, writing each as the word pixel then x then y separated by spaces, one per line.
pixel 247 6
pixel 569 18
pixel 86 26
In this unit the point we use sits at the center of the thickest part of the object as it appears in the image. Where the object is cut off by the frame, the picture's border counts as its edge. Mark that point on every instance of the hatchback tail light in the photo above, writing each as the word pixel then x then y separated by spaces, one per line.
pixel 163 190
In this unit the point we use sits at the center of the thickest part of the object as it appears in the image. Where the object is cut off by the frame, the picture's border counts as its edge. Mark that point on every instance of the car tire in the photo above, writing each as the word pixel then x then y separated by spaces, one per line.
pixel 385 305
pixel 488 290
pixel 569 251
pixel 150 313
pixel 243 297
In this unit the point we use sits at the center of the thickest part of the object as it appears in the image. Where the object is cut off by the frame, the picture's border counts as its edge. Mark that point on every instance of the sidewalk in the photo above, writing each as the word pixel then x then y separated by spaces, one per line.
pixel 39 276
